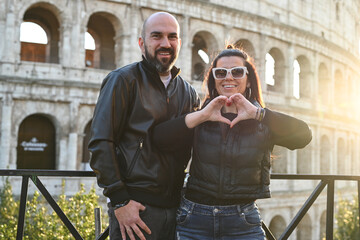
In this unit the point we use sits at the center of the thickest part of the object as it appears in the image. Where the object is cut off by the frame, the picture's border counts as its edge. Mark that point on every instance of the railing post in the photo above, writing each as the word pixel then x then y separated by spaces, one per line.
pixel 97 213
pixel 330 211
pixel 23 197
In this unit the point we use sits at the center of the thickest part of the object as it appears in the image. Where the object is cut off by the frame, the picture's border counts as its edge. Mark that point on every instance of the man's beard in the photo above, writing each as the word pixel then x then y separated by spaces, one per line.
pixel 161 66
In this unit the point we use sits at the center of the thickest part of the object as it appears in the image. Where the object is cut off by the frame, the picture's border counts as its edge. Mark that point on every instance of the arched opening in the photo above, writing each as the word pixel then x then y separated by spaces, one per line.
pixel 275 71
pixel 33 50
pixel 102 31
pixel 86 153
pixel 296 79
pixel 34 42
pixel 36 143
pixel 277 226
pixel 325 151
pixel 304 80
pixel 247 46
pixel 203 45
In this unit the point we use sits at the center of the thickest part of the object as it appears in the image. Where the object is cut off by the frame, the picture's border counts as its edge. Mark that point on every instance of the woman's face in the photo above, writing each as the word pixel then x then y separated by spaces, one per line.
pixel 229 85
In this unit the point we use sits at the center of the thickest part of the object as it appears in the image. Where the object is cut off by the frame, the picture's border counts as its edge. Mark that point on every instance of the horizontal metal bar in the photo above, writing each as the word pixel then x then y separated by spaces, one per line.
pixel 49 173
pixel 314 177
pixel 66 173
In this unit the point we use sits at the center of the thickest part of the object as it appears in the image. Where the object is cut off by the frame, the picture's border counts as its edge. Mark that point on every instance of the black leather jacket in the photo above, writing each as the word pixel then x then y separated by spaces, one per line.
pixel 132 100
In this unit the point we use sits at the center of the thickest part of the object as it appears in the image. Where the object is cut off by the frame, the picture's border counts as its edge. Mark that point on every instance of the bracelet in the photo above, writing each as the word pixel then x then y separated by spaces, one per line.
pixel 119 205
pixel 262 114
pixel 257 113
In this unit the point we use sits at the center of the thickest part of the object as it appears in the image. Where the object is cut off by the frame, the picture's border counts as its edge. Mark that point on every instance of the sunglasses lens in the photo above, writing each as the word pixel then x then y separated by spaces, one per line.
pixel 237 72
pixel 220 73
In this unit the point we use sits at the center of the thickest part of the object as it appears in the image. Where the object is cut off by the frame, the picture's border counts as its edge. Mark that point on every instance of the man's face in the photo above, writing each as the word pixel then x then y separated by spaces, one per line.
pixel 162 43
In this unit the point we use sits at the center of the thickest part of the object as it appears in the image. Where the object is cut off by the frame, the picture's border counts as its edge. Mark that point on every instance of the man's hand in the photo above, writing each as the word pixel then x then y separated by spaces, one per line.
pixel 130 221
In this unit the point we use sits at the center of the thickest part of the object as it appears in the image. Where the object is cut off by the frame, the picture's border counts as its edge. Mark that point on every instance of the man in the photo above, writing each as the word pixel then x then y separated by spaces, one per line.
pixel 142 183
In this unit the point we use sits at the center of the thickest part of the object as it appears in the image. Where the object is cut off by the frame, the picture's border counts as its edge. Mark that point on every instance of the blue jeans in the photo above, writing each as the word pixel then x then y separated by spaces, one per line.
pixel 161 222
pixel 204 222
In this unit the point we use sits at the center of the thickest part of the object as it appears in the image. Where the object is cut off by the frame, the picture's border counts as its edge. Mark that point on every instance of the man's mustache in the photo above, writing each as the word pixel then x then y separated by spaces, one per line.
pixel 170 50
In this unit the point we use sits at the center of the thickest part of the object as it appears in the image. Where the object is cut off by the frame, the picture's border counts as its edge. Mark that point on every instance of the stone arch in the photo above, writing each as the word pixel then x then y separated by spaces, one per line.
pixel 36 148
pixel 101 25
pixel 47 17
pixel 202 41
pixel 304 229
pixel 325 154
pixel 304 77
pixel 279 71
pixel 324 82
pixel 247 46
pixel 341 156
pixel 277 226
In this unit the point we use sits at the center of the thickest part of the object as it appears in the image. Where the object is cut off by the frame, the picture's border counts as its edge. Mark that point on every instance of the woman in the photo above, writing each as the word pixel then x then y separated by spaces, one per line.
pixel 232 138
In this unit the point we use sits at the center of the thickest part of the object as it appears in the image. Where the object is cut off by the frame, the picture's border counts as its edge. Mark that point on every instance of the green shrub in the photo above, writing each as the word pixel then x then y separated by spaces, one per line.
pixel 347 218
pixel 41 222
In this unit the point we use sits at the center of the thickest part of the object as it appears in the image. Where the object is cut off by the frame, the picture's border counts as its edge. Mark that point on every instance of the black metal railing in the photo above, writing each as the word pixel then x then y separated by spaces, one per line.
pixel 325 180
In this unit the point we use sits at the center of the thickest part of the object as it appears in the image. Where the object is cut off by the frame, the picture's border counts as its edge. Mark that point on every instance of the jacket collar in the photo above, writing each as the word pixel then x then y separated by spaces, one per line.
pixel 152 70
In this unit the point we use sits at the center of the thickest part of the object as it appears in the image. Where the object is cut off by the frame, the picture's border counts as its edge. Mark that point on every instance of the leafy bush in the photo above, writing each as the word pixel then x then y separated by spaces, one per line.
pixel 41 222
pixel 347 218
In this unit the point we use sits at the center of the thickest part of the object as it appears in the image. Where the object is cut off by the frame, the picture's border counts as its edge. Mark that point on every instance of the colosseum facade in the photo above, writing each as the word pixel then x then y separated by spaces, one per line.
pixel 307 54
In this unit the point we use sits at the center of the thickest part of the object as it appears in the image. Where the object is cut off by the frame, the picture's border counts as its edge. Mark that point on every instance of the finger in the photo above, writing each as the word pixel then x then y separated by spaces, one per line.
pixel 122 230
pixel 138 232
pixel 144 227
pixel 235 121
pixel 130 233
pixel 225 120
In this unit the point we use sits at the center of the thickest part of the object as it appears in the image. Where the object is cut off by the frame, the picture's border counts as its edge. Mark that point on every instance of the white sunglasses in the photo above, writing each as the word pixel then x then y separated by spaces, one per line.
pixel 236 72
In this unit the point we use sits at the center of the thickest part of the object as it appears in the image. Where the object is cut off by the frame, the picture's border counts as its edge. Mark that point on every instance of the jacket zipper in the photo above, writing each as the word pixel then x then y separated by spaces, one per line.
pixel 136 156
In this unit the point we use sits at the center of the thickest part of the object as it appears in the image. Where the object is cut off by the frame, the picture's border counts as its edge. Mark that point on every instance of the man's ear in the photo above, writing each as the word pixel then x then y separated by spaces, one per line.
pixel 141 45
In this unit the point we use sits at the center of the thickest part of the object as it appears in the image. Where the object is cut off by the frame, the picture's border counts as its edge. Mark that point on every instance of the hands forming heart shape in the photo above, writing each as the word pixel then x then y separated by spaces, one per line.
pixel 244 109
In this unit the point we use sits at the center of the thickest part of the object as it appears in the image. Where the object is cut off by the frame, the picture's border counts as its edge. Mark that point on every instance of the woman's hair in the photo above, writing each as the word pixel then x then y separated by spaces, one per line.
pixel 254 93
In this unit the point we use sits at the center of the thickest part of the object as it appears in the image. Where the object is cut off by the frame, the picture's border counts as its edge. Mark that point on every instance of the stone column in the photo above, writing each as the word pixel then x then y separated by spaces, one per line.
pixel 289 72
pixel 71 161
pixel 5 140
pixel 185 54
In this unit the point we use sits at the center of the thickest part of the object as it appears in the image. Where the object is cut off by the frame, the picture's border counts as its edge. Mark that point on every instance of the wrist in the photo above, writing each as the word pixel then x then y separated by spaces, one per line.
pixel 121 204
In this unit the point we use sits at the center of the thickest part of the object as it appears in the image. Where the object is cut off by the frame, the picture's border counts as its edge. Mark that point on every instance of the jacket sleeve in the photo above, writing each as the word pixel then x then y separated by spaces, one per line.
pixel 287 131
pixel 107 126
pixel 173 135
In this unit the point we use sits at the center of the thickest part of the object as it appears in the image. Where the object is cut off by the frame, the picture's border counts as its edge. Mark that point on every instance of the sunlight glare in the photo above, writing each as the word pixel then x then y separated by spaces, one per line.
pixel 89 42
pixel 203 56
pixel 32 33
pixel 269 70
pixel 296 82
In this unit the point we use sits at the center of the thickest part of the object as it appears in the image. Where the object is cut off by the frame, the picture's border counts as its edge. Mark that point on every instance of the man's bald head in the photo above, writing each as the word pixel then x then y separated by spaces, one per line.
pixel 156 16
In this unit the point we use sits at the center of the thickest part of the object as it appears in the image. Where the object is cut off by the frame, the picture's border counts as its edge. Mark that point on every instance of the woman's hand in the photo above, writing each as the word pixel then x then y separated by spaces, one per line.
pixel 212 112
pixel 245 109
